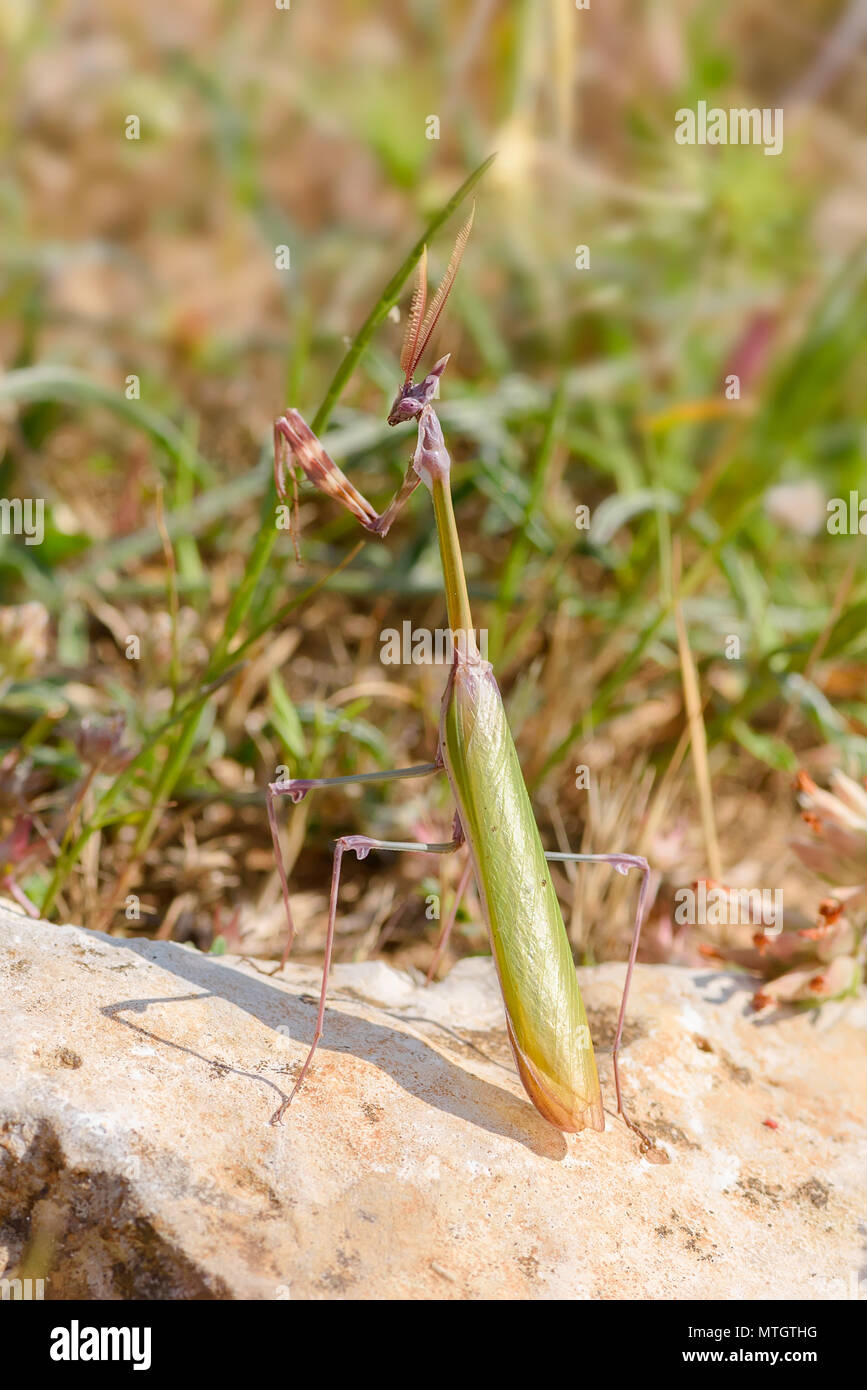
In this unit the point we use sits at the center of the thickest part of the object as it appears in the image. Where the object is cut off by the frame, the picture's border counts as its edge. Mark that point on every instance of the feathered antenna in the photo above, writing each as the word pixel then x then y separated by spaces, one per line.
pixel 410 356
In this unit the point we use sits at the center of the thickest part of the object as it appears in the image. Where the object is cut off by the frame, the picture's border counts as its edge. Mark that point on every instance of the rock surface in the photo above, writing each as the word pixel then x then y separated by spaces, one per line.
pixel 138 1079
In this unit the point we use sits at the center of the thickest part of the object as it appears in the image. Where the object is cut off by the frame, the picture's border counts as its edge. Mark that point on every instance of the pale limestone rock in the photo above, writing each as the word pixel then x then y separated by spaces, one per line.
pixel 137 1081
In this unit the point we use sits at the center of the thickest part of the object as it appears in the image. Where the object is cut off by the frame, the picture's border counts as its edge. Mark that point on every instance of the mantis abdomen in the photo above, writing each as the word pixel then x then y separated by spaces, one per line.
pixel 545 1013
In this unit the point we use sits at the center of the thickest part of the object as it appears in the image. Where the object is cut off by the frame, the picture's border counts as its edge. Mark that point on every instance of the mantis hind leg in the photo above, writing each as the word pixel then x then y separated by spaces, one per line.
pixel 361 845
pixel 623 863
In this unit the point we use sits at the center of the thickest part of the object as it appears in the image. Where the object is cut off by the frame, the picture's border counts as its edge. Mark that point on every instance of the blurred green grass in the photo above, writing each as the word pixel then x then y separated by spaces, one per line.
pixel 566 387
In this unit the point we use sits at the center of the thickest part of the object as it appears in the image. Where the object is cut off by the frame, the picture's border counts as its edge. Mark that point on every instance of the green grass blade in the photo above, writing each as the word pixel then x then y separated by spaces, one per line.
pixel 50 382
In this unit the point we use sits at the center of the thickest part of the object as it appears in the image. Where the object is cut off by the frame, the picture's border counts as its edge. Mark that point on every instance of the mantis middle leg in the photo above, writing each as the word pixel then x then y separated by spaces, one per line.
pixel 296 789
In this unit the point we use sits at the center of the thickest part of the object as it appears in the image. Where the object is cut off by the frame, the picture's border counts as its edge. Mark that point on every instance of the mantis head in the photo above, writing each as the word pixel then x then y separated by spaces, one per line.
pixel 411 400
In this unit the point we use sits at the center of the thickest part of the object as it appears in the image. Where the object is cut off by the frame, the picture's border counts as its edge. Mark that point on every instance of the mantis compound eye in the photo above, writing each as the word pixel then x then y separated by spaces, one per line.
pixel 405 406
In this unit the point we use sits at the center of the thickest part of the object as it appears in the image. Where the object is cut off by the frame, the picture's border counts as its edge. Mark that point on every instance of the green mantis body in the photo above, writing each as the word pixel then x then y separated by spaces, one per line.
pixel 545 1015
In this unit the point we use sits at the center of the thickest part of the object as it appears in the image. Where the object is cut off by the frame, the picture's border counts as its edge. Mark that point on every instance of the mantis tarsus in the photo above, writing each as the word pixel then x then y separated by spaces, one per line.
pixel 545 1016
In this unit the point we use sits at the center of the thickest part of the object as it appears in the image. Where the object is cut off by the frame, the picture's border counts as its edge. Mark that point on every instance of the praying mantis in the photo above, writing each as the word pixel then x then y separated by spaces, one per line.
pixel 545 1015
